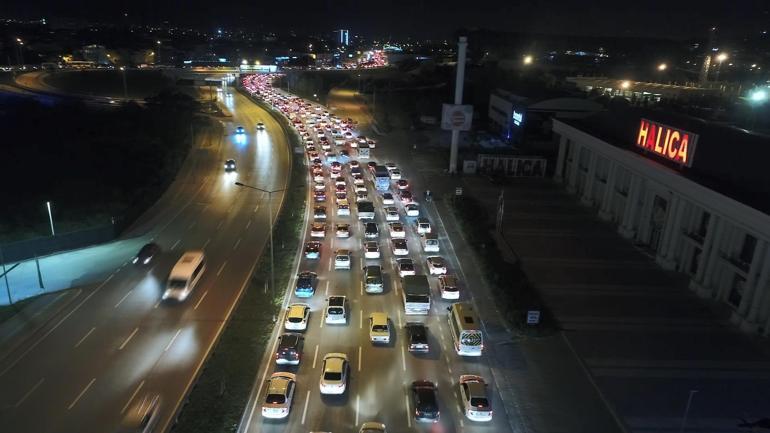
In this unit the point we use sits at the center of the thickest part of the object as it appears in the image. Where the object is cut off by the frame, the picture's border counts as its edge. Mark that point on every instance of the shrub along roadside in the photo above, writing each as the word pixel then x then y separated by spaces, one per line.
pixel 509 283
pixel 218 399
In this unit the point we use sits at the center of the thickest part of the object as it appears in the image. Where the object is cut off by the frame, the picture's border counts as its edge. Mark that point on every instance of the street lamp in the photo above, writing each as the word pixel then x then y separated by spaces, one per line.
pixel 50 217
pixel 662 67
pixel 721 57
pixel 125 84
pixel 158 43
pixel 527 59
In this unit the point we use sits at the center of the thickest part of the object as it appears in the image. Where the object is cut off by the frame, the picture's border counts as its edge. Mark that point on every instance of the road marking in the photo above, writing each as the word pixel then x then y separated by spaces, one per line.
pixel 136 391
pixel 191 225
pixel 200 300
pixel 207 242
pixel 238 242
pixel 175 244
pixel 360 319
pixel 304 411
pixel 221 267
pixel 128 339
pixel 156 305
pixel 219 226
pixel 74 402
pixel 408 413
pixel 403 359
pixel 361 287
pixel 329 268
pixel 358 404
pixel 168 346
pixel 398 313
pixel 359 358
pixel 315 356
pixel 31 390
pixel 322 322
pixel 446 358
pixel 248 224
pixel 326 291
pixel 462 424
pixel 84 337
pixel 123 298
pixel 256 208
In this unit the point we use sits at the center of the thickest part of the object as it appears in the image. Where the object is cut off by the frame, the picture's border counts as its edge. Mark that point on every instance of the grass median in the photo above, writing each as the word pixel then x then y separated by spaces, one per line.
pixel 218 399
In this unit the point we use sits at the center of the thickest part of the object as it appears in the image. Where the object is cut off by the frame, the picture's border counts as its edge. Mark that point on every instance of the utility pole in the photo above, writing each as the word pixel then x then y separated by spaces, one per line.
pixel 462 45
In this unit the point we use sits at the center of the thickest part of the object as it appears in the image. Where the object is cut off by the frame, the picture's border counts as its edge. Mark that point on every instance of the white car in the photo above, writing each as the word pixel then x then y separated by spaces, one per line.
pixel 279 395
pixel 390 166
pixel 405 267
pixel 260 126
pixel 318 230
pixel 362 196
pixel 319 186
pixel 336 310
pixel 318 177
pixel 297 316
pixel 387 198
pixel 391 213
pixel 361 189
pixel 343 209
pixel 334 373
pixel 342 259
pixel 343 230
pixel 371 250
pixel 422 226
pixel 449 287
pixel 379 328
pixel 412 210
pixel 395 174
pixel 399 247
pixel 339 181
pixel 358 180
pixel 436 265
pixel 397 230
pixel 473 393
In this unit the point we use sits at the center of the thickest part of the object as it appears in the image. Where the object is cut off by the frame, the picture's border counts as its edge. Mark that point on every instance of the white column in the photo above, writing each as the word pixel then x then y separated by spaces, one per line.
pixel 575 167
pixel 708 244
pixel 645 215
pixel 560 159
pixel 762 301
pixel 667 254
pixel 626 229
pixel 588 191
pixel 703 286
pixel 605 212
pixel 751 282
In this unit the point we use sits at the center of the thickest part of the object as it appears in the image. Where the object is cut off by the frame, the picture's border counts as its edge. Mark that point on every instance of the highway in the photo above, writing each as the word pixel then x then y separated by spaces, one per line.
pixel 380 376
pixel 116 342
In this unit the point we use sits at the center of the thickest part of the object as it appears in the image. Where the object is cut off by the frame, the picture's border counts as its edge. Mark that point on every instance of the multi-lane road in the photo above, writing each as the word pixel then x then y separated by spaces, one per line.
pixel 381 375
pixel 116 342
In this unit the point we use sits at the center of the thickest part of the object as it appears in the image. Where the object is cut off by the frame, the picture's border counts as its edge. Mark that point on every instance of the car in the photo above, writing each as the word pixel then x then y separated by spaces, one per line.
pixel 399 247
pixel 336 310
pixel 387 198
pixel 343 230
pixel 146 254
pixel 340 189
pixel 340 196
pixel 143 415
pixel 358 180
pixel 305 286
pixel 289 349
pixel 342 259
pixel 405 267
pixel 362 196
pixel 317 230
pixel 371 165
pixel 371 250
pixel 405 195
pixel 313 156
pixel 379 328
pixel 230 165
pixel 336 166
pixel 372 427
pixel 319 212
pixel 417 337
pixel 360 189
pixel 334 376
pixel 297 316
pixel 371 231
pixel 391 214
pixel 319 196
pixel 343 208
pixel 422 226
pixel 449 287
pixel 395 174
pixel 402 184
pixel 313 250
pixel 397 230
pixel 279 395
pixel 436 265
pixel 339 180
pixel 356 170
pixel 425 401
pixel 260 126
pixel 473 393
pixel 318 177
pixel 316 161
pixel 327 148
pixel 372 144
pixel 412 210
pixel 240 130
pixel 354 163
pixel 390 166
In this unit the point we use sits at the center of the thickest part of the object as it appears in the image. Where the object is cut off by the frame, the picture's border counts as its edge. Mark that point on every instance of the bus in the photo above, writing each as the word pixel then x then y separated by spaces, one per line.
pixel 465 327
pixel 185 275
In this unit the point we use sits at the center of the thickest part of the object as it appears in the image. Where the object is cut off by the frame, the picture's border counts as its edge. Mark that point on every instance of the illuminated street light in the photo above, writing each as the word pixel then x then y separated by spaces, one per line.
pixel 625 84
pixel 527 59
pixel 256 62
pixel 721 57
pixel 244 62
pixel 662 67
pixel 758 96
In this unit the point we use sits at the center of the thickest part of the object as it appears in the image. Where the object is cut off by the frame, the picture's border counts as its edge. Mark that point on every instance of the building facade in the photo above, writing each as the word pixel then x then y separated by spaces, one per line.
pixel 658 199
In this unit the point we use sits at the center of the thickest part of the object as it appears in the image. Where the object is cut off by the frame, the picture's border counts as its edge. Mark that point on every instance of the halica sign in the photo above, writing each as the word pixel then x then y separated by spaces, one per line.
pixel 670 143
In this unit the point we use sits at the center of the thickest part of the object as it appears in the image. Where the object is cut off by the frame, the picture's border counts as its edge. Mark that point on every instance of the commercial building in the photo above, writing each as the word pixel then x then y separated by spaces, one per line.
pixel 96 54
pixel 694 194
pixel 342 38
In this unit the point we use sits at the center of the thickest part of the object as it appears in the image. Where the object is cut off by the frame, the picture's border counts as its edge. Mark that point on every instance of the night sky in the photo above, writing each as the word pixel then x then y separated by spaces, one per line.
pixel 425 18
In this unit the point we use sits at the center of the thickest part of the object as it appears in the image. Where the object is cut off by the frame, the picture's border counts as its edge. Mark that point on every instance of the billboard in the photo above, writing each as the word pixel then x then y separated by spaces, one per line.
pixel 512 165
pixel 456 117
pixel 670 143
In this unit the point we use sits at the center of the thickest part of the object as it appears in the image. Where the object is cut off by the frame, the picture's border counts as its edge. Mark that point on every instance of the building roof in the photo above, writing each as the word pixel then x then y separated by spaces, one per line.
pixel 728 160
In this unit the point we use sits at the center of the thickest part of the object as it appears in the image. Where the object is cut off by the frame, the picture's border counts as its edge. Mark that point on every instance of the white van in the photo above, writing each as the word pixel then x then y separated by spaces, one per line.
pixel 185 275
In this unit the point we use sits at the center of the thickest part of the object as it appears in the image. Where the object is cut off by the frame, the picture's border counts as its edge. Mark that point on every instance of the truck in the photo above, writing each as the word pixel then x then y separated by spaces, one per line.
pixel 365 210
pixel 381 178
pixel 416 294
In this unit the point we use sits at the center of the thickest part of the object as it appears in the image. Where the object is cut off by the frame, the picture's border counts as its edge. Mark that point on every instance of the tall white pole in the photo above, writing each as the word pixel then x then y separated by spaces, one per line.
pixel 462 45
pixel 50 217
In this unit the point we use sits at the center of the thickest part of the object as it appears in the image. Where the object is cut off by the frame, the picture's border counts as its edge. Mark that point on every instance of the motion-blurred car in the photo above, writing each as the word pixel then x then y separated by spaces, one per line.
pixel 379 328
pixel 146 254
pixel 279 395
pixel 342 259
pixel 142 416
pixel 425 401
pixel 412 210
pixel 313 250
pixel 240 130
pixel 230 165
pixel 289 349
pixel 260 126
pixel 391 214
pixel 343 230
pixel 417 337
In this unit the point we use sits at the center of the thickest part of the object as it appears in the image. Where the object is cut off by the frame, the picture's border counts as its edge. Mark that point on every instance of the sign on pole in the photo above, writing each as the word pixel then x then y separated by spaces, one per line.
pixel 456 117
pixel 533 317
pixel 459 191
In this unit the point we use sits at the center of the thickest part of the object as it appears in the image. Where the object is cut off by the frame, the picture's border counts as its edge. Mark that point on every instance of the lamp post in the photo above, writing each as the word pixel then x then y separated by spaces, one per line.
pixel 125 84
pixel 721 57
pixel 158 57
pixel 19 45
pixel 50 217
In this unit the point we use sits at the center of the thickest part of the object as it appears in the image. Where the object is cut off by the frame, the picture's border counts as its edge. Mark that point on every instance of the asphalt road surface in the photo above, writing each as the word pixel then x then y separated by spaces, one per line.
pixel 380 377
pixel 116 342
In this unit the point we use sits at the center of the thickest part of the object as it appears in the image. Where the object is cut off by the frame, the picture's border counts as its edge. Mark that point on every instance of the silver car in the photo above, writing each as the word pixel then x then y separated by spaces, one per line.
pixel 279 395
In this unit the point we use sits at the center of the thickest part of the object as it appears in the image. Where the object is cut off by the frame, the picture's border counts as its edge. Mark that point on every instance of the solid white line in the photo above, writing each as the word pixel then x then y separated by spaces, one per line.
pixel 360 319
pixel 123 298
pixel 358 404
pixel 238 242
pixel 221 267
pixel 329 268
pixel 326 291
pixel 74 402
pixel 168 346
pixel 156 305
pixel 85 336
pixel 359 358
pixel 128 339
pixel 200 300
pixel 398 313
pixel 207 242
pixel 315 356
pixel 408 413
pixel 248 224
pixel 403 359
pixel 136 391
pixel 175 244
pixel 31 390
pixel 304 411
pixel 219 226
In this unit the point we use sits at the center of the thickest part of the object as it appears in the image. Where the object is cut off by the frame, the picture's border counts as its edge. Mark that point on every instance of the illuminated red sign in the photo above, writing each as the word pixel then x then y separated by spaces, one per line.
pixel 670 143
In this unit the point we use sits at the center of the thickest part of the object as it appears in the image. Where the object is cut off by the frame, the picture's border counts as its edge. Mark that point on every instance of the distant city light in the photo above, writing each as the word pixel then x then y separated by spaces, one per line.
pixel 625 84
pixel 527 60
pixel 662 67
pixel 721 57
pixel 244 62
